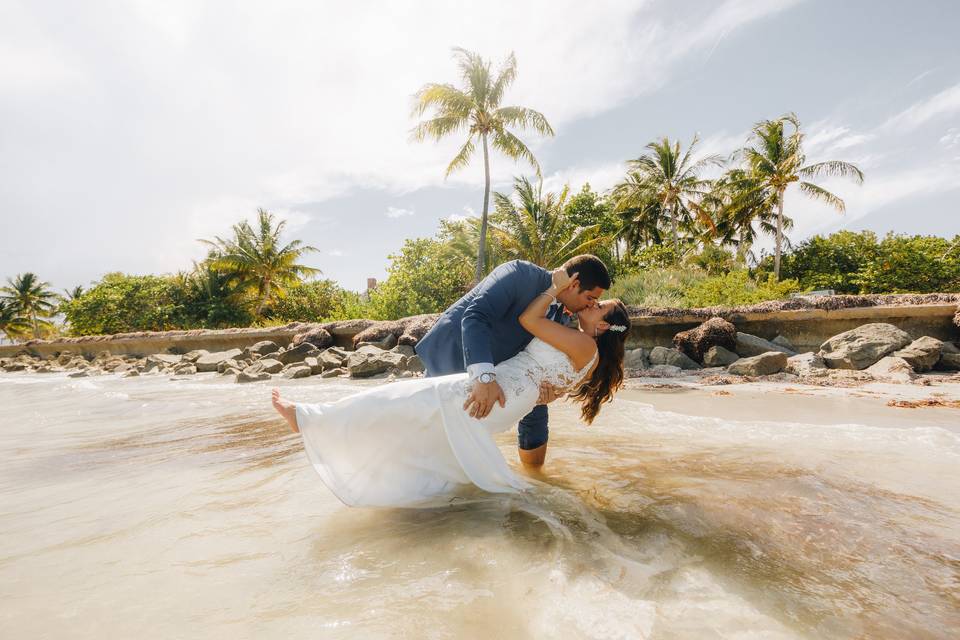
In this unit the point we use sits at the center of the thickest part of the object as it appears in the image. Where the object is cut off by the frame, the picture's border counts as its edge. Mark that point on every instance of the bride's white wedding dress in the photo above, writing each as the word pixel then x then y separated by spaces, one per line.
pixel 409 443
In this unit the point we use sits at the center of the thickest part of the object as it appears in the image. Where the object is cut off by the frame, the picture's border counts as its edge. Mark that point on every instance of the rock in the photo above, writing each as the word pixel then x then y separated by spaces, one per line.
pixel 892 369
pixel 132 373
pixel 366 362
pixel 783 342
pixel 229 363
pixel 921 354
pixel 662 371
pixel 760 365
pixel 948 347
pixel 14 366
pixel 314 364
pixel 750 345
pixel 949 362
pixel 805 364
pixel 298 353
pixel 252 376
pixel 64 358
pixel 663 355
pixel 262 348
pixel 334 373
pixel 404 349
pixel 83 373
pixel 121 368
pixel 210 361
pixel 266 365
pixel 636 359
pixel 389 341
pixel 185 368
pixel 861 347
pixel 230 371
pixel 414 365
pixel 297 371
pixel 332 358
pixel 697 341
pixel 318 337
pixel 161 359
pixel 193 356
pixel 717 356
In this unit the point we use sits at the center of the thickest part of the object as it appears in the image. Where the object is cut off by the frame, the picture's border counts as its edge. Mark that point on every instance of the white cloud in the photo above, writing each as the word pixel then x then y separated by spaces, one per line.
pixel 397 212
pixel 951 138
pixel 946 102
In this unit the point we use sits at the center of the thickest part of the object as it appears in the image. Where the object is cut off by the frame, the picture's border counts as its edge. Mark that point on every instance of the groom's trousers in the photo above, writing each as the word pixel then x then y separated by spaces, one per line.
pixel 533 431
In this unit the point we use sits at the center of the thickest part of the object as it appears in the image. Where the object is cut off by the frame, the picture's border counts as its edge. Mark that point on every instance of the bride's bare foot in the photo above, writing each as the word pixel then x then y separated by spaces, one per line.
pixel 286 409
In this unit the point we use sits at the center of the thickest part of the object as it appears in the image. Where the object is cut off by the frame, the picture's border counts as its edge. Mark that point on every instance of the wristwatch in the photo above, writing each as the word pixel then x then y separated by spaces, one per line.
pixel 487 377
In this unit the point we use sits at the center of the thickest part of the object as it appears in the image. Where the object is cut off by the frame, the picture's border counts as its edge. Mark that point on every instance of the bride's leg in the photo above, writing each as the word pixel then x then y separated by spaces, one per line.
pixel 286 409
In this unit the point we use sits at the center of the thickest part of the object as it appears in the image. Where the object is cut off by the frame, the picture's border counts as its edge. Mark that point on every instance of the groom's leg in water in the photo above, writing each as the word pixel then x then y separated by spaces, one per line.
pixel 532 437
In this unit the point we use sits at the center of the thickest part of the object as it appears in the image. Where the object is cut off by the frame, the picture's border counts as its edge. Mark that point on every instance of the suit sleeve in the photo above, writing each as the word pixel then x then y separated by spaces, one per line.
pixel 492 303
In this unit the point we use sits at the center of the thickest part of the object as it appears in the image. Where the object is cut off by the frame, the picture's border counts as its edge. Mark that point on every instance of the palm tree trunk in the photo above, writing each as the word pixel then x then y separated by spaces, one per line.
pixel 673 227
pixel 36 326
pixel 482 249
pixel 779 238
pixel 263 299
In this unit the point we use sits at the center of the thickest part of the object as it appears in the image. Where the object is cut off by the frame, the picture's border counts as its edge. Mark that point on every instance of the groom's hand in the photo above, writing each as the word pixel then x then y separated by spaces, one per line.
pixel 482 397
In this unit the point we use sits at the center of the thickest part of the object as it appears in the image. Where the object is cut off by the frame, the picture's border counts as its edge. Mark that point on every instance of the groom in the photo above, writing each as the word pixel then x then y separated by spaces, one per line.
pixel 483 328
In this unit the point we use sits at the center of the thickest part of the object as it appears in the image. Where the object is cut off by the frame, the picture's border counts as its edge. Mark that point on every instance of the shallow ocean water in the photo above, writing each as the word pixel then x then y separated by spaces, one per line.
pixel 154 508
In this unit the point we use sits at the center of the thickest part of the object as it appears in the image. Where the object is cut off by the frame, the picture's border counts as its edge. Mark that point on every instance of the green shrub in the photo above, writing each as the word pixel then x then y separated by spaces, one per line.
pixel 664 287
pixel 737 288
pixel 121 303
pixel 912 264
pixel 312 302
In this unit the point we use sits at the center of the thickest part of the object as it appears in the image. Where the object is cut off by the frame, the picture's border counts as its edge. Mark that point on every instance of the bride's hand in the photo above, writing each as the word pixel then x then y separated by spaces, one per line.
pixel 562 280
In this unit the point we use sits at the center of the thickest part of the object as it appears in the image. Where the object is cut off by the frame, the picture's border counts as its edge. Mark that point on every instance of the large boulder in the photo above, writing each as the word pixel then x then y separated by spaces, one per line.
pixel 267 365
pixel 636 359
pixel 262 348
pixel 297 371
pixel 921 354
pixel 332 358
pixel 210 361
pixel 697 341
pixel 892 369
pixel 318 337
pixel 717 356
pixel 251 375
pixel 370 361
pixel 388 342
pixel 185 369
pixel 805 364
pixel 414 364
pixel 190 356
pixel 949 361
pixel 298 353
pixel 163 360
pixel 784 342
pixel 861 347
pixel 764 364
pixel 750 345
pixel 672 357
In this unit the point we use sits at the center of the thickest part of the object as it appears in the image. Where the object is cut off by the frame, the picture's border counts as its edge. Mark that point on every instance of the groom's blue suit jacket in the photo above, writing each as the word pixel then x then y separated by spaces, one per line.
pixel 484 325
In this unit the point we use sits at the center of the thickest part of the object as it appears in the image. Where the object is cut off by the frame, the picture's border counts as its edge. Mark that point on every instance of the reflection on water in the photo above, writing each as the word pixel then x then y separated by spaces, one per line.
pixel 162 508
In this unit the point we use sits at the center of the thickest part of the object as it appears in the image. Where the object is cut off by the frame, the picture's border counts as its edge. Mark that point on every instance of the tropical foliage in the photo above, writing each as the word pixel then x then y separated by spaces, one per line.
pixel 475 108
pixel 31 300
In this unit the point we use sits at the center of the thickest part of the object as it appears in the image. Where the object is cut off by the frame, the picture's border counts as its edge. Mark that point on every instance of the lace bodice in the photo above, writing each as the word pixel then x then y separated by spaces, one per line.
pixel 539 363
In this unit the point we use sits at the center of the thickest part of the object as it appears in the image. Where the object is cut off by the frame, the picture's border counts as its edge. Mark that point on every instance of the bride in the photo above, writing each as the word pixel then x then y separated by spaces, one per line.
pixel 412 443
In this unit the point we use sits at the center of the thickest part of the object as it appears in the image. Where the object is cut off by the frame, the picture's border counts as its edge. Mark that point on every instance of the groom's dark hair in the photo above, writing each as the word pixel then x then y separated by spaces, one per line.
pixel 593 273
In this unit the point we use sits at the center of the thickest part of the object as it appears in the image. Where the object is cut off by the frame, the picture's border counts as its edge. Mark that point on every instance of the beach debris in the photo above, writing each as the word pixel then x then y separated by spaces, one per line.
pixel 926 402
pixel 697 341
pixel 751 345
pixel 672 357
pixel 861 347
pixel 717 356
pixel 763 364
pixel 922 353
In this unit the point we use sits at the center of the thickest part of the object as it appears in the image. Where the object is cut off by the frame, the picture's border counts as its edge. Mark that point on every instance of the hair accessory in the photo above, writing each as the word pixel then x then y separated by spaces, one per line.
pixel 617 327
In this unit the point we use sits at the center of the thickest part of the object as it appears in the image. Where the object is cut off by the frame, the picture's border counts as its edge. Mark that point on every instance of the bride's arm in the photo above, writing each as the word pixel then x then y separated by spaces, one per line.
pixel 577 346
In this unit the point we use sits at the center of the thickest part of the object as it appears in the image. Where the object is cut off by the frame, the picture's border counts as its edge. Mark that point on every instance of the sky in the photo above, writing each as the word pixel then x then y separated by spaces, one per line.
pixel 131 129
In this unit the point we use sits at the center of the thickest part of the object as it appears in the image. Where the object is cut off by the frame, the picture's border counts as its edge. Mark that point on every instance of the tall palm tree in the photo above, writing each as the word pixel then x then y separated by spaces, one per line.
pixel 774 159
pixel 12 324
pixel 475 109
pixel 667 182
pixel 741 211
pixel 256 259
pixel 73 294
pixel 532 226
pixel 32 298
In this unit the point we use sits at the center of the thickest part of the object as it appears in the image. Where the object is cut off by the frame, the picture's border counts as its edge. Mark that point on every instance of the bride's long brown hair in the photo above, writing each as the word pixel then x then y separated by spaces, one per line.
pixel 607 377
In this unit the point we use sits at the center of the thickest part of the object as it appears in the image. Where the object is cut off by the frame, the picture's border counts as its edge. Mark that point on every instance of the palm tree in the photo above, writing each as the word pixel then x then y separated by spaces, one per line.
pixel 741 211
pixel 73 294
pixel 532 226
pixel 667 182
pixel 475 109
pixel 775 160
pixel 12 324
pixel 257 261
pixel 31 298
